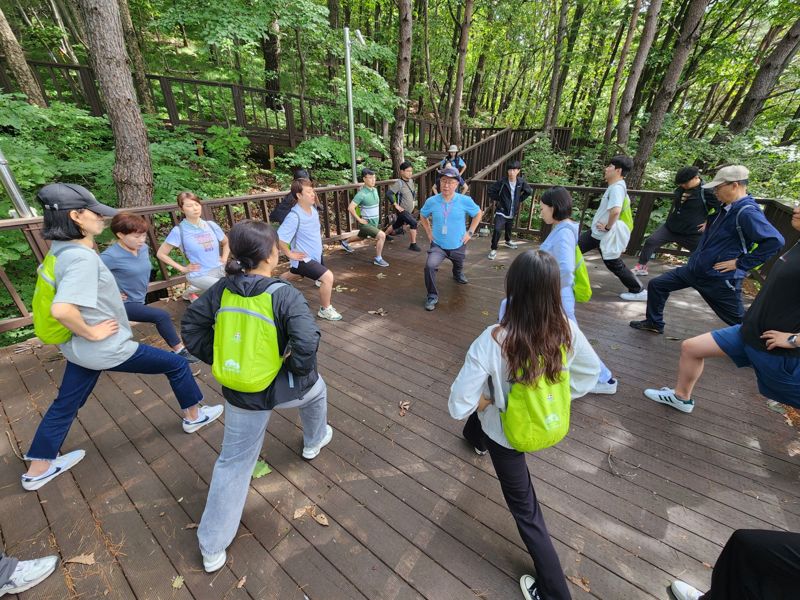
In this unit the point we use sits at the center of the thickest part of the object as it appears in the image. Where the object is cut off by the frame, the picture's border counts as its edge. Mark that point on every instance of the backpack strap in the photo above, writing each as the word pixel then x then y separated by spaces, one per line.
pixel 274 286
pixel 739 230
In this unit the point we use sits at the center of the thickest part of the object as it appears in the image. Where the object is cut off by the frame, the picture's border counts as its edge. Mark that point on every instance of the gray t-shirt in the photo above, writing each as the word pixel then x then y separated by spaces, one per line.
pixel 301 231
pixel 83 280
pixel 405 193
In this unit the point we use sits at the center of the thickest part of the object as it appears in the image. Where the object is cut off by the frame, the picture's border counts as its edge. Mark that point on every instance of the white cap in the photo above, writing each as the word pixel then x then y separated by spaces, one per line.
pixel 729 174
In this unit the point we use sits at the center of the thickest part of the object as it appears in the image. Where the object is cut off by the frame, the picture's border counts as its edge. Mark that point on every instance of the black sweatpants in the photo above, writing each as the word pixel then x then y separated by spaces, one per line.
pixel 586 243
pixel 403 218
pixel 515 481
pixel 501 224
pixel 662 236
pixel 757 565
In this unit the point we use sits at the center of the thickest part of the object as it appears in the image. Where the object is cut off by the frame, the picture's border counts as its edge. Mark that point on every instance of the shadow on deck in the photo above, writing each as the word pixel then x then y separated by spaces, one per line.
pixel 636 495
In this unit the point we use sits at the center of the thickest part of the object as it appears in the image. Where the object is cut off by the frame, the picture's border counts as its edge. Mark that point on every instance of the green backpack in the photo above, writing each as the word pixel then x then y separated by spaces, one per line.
pixel 46 327
pixel 581 285
pixel 626 216
pixel 537 415
pixel 246 353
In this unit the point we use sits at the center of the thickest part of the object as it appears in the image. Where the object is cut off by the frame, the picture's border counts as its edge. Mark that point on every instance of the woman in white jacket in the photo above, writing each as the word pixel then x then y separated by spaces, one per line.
pixel 525 346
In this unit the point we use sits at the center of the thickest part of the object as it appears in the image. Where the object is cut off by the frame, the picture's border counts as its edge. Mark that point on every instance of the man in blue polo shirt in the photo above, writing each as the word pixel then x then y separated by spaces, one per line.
pixel 443 217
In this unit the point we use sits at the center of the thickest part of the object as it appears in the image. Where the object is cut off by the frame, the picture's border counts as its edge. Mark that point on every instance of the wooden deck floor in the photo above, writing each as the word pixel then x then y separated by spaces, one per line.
pixel 636 495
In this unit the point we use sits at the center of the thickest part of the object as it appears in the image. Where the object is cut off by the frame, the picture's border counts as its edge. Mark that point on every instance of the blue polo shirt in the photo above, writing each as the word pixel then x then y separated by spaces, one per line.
pixel 449 219
pixel 131 272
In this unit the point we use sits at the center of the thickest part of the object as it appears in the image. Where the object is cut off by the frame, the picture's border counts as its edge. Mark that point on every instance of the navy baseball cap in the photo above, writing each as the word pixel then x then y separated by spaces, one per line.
pixel 451 172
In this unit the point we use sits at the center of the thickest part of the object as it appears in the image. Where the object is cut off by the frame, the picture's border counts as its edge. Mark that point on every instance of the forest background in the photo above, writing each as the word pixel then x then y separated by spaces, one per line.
pixel 670 82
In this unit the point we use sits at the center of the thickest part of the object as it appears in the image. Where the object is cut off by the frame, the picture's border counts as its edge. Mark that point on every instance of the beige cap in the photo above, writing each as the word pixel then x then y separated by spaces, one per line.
pixel 453 148
pixel 729 174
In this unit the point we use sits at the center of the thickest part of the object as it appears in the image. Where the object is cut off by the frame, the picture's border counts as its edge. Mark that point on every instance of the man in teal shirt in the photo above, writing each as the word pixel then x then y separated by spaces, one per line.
pixel 367 200
pixel 443 217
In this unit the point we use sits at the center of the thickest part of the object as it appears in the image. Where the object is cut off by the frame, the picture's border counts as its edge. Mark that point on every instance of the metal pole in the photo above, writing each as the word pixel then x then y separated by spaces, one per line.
pixel 12 189
pixel 349 77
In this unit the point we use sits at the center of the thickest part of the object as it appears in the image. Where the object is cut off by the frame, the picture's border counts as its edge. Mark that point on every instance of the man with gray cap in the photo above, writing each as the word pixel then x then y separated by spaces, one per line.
pixel 736 239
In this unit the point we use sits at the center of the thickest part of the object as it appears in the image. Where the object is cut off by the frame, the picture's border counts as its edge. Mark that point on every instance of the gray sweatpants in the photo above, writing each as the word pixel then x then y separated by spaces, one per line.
pixel 241 445
pixel 198 285
pixel 7 566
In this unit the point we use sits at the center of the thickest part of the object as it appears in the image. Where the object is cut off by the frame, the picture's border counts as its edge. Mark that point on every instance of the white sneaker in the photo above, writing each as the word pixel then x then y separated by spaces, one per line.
pixel 208 414
pixel 330 314
pixel 667 396
pixel 604 387
pixel 29 573
pixel 637 297
pixel 511 244
pixel 530 591
pixel 60 465
pixel 683 591
pixel 214 562
pixel 310 452
pixel 492 255
pixel 318 283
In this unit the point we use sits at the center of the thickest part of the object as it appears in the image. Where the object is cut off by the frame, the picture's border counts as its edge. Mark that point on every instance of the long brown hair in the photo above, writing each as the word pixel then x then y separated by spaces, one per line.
pixel 536 327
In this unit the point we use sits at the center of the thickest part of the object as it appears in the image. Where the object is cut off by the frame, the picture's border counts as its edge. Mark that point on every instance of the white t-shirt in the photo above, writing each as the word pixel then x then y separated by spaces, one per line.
pixel 485 359
pixel 613 197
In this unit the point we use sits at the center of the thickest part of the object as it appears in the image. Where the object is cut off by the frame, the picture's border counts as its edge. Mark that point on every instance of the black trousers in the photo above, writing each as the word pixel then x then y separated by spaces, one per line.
pixel 586 243
pixel 515 481
pixel 662 236
pixel 436 256
pixel 757 565
pixel 403 218
pixel 501 224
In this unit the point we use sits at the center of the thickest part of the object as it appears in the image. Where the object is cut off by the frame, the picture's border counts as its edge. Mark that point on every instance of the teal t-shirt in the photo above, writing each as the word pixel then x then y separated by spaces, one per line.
pixel 369 203
pixel 449 219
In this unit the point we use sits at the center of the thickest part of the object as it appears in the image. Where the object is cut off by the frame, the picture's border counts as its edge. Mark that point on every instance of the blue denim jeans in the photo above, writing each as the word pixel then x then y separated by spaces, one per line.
pixel 241 445
pixel 78 382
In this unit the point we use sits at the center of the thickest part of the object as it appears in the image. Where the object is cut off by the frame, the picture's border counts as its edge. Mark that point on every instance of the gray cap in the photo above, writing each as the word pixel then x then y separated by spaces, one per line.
pixel 453 148
pixel 71 196
pixel 729 174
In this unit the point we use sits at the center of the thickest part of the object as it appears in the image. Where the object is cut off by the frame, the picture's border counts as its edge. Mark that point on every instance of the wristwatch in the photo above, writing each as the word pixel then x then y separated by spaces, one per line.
pixel 792 339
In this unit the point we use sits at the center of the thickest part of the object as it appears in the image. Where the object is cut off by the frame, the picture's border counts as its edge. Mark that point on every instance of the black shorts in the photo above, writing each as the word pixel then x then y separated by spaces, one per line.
pixel 404 218
pixel 311 269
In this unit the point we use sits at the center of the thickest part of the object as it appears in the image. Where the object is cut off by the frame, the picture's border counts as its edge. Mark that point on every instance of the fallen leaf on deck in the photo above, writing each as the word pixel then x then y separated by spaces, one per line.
pixel 380 312
pixel 706 565
pixel 405 406
pixel 340 288
pixel 190 526
pixel 353 289
pixel 137 392
pixel 499 267
pixel 485 313
pixel 311 510
pixel 261 469
pixel 82 559
pixel 299 512
pixel 320 518
pixel 674 339
pixel 381 275
pixel 177 583
pixel 581 582
pixel 241 583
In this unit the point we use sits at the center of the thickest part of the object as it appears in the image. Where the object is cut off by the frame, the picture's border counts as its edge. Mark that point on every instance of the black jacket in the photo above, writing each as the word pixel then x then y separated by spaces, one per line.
pixel 686 215
pixel 500 192
pixel 296 328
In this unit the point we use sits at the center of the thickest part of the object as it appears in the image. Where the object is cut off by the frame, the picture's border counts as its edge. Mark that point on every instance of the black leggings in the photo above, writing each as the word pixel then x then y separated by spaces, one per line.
pixel 586 243
pixel 501 224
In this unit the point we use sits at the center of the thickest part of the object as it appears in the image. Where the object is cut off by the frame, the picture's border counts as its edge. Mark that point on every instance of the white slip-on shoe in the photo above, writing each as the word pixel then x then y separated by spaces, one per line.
pixel 60 465
pixel 310 452
pixel 637 297
pixel 605 387
pixel 214 562
pixel 683 591
pixel 29 573
pixel 208 414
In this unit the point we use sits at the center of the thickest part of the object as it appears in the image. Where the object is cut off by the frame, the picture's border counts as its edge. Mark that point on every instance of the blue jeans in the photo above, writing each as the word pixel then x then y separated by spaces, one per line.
pixel 723 295
pixel 78 382
pixel 241 445
pixel 139 311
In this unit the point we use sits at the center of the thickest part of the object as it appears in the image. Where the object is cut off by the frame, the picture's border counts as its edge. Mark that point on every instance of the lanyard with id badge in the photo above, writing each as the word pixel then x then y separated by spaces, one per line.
pixel 446 208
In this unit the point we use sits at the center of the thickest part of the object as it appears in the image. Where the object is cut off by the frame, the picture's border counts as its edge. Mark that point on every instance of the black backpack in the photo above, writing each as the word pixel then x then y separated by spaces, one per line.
pixel 279 213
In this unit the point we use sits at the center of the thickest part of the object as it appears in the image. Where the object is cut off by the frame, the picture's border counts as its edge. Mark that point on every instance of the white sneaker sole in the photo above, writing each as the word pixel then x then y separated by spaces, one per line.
pixel 216 565
pixel 63 463
pixel 311 453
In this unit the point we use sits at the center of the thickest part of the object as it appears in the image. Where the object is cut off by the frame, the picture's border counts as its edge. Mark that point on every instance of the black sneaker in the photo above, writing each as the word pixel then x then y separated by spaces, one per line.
pixel 646 325
pixel 461 278
pixel 431 302
pixel 414 247
pixel 190 358
pixel 389 237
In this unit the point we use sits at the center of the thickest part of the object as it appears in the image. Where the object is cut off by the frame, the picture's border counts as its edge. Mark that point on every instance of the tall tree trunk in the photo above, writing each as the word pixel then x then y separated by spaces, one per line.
pixel 767 76
pixel 138 68
pixel 66 46
pixel 333 22
pixel 301 57
pixel 271 51
pixel 588 121
pixel 690 31
pixel 72 15
pixel 566 61
pixel 448 86
pixel 133 172
pixel 402 83
pixel 550 112
pixel 791 129
pixel 463 44
pixel 612 103
pixel 427 52
pixel 477 81
pixel 19 66
pixel 645 43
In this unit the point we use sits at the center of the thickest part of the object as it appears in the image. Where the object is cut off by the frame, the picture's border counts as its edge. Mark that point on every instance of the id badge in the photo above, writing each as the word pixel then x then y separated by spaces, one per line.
pixel 444 229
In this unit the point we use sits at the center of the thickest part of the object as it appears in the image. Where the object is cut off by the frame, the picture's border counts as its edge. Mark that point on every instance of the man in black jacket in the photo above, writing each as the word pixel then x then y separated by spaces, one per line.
pixel 508 194
pixel 686 220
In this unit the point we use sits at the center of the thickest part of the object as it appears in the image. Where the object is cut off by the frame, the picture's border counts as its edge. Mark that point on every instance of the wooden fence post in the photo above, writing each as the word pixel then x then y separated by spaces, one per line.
pixel 169 100
pixel 290 128
pixel 92 97
pixel 238 106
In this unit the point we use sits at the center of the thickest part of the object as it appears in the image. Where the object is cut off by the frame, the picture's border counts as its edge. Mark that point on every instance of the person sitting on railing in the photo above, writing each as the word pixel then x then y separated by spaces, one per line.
pixel 768 338
pixel 402 195
pixel 301 242
pixel 508 195
pixel 443 218
pixel 737 239
pixel 129 262
pixel 609 211
pixel 88 307
pixel 367 202
pixel 200 241
pixel 686 220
